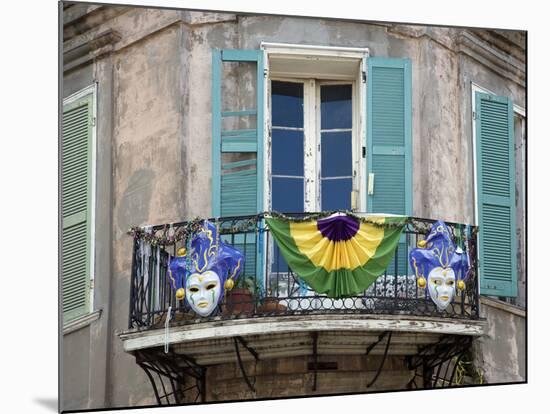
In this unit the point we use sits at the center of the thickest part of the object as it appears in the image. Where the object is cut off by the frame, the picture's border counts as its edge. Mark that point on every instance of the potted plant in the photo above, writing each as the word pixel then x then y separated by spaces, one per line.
pixel 271 303
pixel 241 299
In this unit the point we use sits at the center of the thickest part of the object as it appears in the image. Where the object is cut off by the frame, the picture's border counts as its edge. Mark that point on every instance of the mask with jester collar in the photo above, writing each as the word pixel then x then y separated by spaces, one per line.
pixel 440 262
pixel 204 273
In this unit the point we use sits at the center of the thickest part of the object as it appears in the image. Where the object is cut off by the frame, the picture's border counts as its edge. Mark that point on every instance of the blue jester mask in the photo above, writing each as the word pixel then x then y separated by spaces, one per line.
pixel 206 271
pixel 441 263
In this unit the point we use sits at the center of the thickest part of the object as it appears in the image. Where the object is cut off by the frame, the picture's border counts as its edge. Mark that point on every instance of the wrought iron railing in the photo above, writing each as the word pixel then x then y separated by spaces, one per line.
pixel 275 290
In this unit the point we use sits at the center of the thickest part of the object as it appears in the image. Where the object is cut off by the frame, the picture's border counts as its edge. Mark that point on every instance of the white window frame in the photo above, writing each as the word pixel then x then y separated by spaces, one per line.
pixel 309 117
pixel 91 89
pixel 312 83
pixel 357 143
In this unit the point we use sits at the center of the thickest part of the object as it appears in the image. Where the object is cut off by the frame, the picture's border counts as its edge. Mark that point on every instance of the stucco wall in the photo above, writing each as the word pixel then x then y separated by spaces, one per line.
pixel 472 72
pixel 154 148
pixel 84 365
pixel 500 353
pixel 75 369
pixel 291 377
pixel 148 175
pixel 435 101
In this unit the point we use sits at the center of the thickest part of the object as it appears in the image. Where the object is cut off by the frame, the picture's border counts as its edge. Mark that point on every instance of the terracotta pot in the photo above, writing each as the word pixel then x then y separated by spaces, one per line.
pixel 238 301
pixel 272 305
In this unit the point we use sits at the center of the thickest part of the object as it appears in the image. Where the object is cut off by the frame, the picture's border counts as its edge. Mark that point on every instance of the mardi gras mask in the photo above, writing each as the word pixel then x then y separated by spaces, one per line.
pixel 203 292
pixel 440 262
pixel 206 271
pixel 441 285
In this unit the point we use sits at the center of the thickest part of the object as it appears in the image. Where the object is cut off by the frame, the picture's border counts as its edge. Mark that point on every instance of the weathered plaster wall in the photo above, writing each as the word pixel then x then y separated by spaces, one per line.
pixel 440 176
pixel 500 353
pixel 75 80
pixel 138 130
pixel 84 363
pixel 472 72
pixel 75 369
pixel 101 329
pixel 197 119
pixel 437 173
pixel 148 185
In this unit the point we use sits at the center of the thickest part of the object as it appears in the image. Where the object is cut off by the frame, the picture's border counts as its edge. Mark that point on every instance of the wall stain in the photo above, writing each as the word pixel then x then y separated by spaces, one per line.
pixel 134 204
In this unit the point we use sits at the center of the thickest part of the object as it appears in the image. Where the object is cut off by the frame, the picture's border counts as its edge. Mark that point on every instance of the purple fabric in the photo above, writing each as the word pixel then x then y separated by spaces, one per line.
pixel 338 228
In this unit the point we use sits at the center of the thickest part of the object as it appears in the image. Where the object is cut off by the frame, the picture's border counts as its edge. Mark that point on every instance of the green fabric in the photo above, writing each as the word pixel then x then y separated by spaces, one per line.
pixel 340 282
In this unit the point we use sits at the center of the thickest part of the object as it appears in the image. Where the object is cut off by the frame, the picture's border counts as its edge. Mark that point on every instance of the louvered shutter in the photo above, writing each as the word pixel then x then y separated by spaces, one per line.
pixel 237 154
pixel 237 187
pixel 75 206
pixel 389 142
pixel 496 195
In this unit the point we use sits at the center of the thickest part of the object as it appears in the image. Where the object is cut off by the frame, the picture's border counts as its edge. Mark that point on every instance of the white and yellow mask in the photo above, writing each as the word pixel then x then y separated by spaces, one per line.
pixel 441 285
pixel 203 291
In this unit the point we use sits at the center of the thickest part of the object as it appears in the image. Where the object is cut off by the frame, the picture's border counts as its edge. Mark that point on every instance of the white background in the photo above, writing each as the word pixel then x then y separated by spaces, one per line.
pixel 28 172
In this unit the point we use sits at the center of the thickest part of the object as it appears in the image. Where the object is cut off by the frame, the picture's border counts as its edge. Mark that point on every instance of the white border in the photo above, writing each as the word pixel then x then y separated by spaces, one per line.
pixel 39 152
pixel 91 89
pixel 40 394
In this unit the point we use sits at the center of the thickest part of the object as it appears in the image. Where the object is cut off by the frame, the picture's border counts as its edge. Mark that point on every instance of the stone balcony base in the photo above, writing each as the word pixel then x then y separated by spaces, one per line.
pixel 211 343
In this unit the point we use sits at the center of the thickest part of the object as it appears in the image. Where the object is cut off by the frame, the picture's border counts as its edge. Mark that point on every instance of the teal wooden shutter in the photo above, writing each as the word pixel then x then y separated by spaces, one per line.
pixel 389 141
pixel 237 186
pixel 496 209
pixel 76 153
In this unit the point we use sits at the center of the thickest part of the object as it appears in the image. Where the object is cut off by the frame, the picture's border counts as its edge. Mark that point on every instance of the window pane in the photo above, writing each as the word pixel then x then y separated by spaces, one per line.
pixel 287 157
pixel 336 158
pixel 336 106
pixel 279 265
pixel 287 194
pixel 238 86
pixel 287 104
pixel 336 194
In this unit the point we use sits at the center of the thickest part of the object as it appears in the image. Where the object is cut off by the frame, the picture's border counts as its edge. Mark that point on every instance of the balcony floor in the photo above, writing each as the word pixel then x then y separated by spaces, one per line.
pixel 210 343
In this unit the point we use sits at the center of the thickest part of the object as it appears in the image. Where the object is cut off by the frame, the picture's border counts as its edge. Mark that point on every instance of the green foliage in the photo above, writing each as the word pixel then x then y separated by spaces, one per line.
pixel 466 372
pixel 246 282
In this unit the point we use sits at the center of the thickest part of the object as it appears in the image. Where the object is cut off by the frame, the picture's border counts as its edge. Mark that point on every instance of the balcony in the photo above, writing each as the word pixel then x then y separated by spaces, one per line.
pixel 271 313
pixel 276 290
